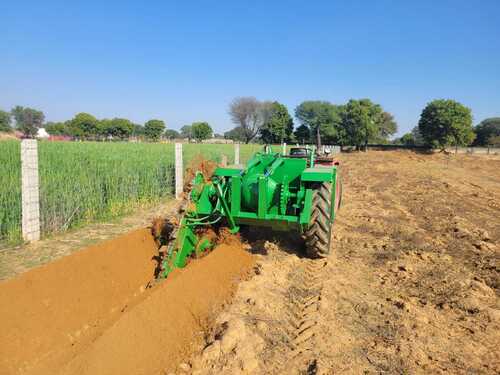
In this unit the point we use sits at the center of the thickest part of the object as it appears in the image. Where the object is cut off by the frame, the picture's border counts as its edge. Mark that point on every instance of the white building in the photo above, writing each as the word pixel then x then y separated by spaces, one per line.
pixel 42 133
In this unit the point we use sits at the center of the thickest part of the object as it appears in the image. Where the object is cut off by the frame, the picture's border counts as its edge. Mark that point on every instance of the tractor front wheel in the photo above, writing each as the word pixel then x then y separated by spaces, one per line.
pixel 318 235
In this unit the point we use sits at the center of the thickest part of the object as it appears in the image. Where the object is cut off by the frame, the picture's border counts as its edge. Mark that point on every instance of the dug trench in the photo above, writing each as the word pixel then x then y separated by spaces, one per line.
pixel 98 312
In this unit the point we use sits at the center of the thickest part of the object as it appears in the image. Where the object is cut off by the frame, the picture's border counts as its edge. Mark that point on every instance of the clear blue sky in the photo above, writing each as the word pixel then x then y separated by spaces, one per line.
pixel 184 61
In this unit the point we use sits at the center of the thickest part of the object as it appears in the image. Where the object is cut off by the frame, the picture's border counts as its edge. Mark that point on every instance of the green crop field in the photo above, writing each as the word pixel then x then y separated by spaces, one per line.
pixel 10 190
pixel 84 182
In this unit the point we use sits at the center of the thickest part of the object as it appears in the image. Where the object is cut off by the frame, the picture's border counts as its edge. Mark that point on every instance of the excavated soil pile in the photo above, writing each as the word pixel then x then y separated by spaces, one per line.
pixel 198 164
pixel 94 312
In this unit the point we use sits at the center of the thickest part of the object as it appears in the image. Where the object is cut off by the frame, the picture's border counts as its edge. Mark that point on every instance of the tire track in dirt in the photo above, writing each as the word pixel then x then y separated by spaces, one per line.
pixel 304 298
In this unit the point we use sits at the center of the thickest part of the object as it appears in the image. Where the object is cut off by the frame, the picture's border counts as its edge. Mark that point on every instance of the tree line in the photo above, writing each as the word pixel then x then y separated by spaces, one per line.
pixel 85 126
pixel 358 122
pixel 442 123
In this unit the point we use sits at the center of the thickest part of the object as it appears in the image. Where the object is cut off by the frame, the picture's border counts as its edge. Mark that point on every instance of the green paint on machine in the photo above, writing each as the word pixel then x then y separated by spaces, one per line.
pixel 273 190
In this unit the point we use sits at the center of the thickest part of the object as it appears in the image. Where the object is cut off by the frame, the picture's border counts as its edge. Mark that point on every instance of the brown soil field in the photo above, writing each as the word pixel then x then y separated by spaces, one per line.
pixel 412 287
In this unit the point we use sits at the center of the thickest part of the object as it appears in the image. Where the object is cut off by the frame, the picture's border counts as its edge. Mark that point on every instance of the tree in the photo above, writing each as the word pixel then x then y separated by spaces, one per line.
pixel 387 126
pixel 313 114
pixel 332 131
pixel 116 128
pixel 486 130
pixel 417 136
pixel 201 131
pixel 494 141
pixel 138 131
pixel 236 134
pixel 407 139
pixel 249 114
pixel 84 126
pixel 323 120
pixel 104 128
pixel 121 128
pixel 57 128
pixel 445 122
pixel 278 125
pixel 186 132
pixel 361 121
pixel 153 129
pixel 5 121
pixel 302 134
pixel 28 120
pixel 172 134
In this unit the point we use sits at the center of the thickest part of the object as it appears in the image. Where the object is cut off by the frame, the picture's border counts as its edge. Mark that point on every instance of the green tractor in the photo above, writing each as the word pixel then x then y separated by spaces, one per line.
pixel 282 192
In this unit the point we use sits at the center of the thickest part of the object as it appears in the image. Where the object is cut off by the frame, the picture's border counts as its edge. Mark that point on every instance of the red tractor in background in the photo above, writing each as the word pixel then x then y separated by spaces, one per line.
pixel 325 158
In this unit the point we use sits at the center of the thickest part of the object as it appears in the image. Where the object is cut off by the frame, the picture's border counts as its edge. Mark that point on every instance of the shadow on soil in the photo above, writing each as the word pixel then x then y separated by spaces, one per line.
pixel 290 242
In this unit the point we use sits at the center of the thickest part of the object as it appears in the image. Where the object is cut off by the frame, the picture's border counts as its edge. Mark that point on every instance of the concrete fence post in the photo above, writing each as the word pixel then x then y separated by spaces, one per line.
pixel 284 148
pixel 179 179
pixel 236 153
pixel 30 196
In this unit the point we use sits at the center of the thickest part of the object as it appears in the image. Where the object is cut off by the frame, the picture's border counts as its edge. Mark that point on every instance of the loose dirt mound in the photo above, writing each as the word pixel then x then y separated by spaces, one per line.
pixel 198 164
pixel 93 313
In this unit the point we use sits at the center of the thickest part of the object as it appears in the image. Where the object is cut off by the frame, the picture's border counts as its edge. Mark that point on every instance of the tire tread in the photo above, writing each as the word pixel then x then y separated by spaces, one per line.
pixel 317 237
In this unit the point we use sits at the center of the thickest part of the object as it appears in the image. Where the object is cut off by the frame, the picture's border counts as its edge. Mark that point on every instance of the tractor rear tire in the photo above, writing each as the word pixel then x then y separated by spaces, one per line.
pixel 318 235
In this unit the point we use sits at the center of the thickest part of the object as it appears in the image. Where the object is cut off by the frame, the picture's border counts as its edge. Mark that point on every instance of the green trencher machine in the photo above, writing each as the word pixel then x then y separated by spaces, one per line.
pixel 283 192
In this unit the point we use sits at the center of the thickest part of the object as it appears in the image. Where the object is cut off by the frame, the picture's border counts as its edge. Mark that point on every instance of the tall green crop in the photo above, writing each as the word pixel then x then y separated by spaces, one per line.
pixel 10 190
pixel 84 182
pixel 81 182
